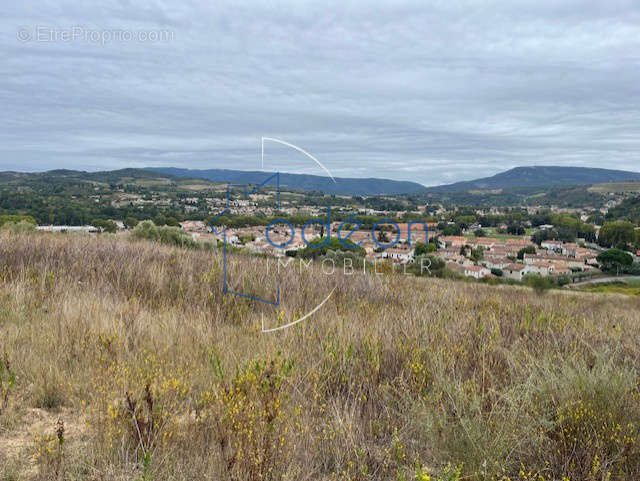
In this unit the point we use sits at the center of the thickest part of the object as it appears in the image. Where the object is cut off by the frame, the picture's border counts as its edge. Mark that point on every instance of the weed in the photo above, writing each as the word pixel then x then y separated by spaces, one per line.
pixel 7 382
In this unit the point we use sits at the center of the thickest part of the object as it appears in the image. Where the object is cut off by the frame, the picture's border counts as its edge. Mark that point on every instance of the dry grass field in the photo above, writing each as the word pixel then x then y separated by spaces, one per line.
pixel 124 360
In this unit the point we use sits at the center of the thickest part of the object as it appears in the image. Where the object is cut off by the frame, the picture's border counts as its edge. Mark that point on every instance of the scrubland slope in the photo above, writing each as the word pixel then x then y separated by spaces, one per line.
pixel 124 360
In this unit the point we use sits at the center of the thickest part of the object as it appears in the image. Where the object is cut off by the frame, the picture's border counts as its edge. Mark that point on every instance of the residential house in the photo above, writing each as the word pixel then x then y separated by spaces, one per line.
pixel 570 249
pixel 193 226
pixel 542 268
pixel 496 263
pixel 452 266
pixel 451 241
pixel 67 228
pixel 552 245
pixel 401 256
pixel 477 272
pixel 498 253
pixel 514 271
pixel 561 271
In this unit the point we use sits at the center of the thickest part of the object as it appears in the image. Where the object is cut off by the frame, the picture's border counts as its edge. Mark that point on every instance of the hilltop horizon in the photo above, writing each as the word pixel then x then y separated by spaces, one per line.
pixel 521 176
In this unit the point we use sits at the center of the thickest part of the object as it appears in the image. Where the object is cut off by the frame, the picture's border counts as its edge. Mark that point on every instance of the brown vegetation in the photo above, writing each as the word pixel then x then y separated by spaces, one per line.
pixel 148 371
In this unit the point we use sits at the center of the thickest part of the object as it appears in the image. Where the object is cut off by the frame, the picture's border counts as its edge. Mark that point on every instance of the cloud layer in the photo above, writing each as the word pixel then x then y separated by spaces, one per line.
pixel 432 93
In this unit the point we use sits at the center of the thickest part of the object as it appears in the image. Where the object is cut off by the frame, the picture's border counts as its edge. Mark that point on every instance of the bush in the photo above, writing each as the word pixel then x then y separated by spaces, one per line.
pixel 105 225
pixel 164 234
pixel 420 248
pixel 452 230
pixel 247 238
pixel 340 256
pixel 526 250
pixel 16 219
pixel 538 283
pixel 146 230
pixel 634 270
pixel 592 416
pixel 312 251
pixel 435 265
pixel 130 222
pixel 162 220
pixel 18 227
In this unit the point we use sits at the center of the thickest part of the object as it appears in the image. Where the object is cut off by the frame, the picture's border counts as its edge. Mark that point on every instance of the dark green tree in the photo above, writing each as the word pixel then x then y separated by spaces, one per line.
pixel 618 234
pixel 131 222
pixel 615 260
pixel 526 250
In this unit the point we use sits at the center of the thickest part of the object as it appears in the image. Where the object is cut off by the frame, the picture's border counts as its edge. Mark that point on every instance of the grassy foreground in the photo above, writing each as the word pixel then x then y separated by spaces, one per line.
pixel 124 360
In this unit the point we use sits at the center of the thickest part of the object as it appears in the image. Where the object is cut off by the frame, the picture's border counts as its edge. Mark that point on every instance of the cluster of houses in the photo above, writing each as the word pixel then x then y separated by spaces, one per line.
pixel 461 254
pixel 470 256
pixel 255 238
pixel 501 256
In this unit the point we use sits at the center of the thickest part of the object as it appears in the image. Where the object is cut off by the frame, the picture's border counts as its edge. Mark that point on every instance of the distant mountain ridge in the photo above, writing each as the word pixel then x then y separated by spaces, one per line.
pixel 541 176
pixel 510 180
pixel 342 185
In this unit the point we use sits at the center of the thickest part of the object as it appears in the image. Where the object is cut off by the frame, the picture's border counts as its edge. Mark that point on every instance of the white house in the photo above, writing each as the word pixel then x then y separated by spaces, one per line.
pixel 498 263
pixel 551 245
pixel 451 241
pixel 477 272
pixel 515 271
pixel 194 226
pixel 67 228
pixel 402 256
pixel 542 268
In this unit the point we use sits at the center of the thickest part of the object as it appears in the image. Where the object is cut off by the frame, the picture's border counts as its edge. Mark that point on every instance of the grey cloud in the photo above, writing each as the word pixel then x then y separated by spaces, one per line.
pixel 404 90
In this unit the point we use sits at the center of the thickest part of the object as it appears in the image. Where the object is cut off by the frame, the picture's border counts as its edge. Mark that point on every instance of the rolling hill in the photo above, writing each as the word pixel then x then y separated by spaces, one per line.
pixel 541 176
pixel 514 181
pixel 345 186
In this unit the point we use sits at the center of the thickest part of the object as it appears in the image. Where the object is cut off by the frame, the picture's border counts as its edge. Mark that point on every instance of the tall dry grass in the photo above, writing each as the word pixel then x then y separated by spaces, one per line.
pixel 155 373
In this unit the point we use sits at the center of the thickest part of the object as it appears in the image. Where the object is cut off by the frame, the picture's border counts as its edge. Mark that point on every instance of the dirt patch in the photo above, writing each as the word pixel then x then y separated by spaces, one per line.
pixel 18 444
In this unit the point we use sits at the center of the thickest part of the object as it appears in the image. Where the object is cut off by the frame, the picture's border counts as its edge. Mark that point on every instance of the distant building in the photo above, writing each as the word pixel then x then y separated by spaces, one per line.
pixel 477 272
pixel 451 241
pixel 542 268
pixel 515 271
pixel 67 228
pixel 402 256
pixel 570 249
pixel 551 245
pixel 193 226
pixel 496 263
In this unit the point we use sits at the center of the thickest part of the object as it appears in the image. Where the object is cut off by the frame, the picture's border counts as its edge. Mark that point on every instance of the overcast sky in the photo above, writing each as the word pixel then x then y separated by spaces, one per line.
pixel 427 91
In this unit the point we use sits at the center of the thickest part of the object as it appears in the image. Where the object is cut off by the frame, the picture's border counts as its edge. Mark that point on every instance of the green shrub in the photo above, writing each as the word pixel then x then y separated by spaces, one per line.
pixel 436 266
pixel 538 283
pixel 105 225
pixel 315 248
pixel 17 219
pixel 164 234
pixel 18 227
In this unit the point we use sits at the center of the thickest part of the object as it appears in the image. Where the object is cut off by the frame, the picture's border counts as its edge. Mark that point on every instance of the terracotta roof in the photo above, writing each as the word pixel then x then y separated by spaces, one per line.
pixel 543 264
pixel 475 268
pixel 515 267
